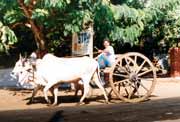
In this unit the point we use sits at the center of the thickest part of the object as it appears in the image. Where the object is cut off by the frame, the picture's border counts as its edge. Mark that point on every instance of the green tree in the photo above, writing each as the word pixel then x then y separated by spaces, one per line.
pixel 7 38
pixel 52 22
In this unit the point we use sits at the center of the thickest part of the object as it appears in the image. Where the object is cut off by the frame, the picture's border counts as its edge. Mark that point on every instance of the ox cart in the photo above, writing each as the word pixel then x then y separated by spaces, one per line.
pixel 132 78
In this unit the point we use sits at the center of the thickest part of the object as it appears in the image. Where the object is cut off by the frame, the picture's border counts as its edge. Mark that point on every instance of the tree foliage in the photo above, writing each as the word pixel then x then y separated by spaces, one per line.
pixel 54 21
pixel 7 38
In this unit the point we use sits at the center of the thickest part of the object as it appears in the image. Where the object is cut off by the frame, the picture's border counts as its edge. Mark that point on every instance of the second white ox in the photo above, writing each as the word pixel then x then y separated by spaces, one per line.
pixel 51 71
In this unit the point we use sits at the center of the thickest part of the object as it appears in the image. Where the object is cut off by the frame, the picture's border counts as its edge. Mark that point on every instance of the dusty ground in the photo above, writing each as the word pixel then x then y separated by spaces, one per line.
pixel 16 99
pixel 163 106
pixel 13 99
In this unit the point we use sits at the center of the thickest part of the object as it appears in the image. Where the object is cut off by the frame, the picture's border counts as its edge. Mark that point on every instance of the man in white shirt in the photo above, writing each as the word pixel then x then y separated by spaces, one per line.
pixel 107 56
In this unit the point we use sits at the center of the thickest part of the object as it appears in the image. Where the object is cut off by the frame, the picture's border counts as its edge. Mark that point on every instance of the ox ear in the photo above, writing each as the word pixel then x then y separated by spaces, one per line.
pixel 20 57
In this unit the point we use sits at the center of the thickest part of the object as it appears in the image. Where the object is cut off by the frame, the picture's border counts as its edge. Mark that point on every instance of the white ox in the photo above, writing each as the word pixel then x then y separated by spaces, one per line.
pixel 51 71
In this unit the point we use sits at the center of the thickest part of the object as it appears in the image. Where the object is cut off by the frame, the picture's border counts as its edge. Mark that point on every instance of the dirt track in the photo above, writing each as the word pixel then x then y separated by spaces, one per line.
pixel 17 99
pixel 164 100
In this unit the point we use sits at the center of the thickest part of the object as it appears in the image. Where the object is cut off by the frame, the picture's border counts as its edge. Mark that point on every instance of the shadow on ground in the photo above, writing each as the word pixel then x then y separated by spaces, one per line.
pixel 149 111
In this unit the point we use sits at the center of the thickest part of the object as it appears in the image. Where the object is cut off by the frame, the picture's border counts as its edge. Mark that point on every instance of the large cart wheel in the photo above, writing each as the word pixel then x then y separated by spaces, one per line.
pixel 132 77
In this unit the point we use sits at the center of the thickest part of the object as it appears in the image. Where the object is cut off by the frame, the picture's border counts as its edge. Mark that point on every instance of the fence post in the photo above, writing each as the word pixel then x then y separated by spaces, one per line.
pixel 175 62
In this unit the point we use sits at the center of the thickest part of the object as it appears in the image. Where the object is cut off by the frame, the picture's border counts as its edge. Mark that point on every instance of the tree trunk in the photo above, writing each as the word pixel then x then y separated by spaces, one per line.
pixel 39 38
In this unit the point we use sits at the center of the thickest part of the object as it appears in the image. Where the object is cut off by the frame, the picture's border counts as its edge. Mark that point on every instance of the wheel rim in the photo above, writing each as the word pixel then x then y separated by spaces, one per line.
pixel 133 77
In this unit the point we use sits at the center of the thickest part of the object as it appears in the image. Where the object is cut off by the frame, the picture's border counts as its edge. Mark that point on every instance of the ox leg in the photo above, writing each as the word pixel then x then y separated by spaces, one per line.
pixel 86 90
pixel 76 93
pixel 45 90
pixel 97 80
pixel 78 86
pixel 52 91
pixel 35 90
pixel 55 96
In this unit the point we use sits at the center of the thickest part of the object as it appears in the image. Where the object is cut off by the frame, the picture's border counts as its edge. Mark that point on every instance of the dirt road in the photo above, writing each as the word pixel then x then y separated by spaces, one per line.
pixel 164 105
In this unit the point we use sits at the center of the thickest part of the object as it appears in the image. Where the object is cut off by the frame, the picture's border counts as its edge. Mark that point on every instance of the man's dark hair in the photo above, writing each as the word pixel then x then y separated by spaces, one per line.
pixel 106 39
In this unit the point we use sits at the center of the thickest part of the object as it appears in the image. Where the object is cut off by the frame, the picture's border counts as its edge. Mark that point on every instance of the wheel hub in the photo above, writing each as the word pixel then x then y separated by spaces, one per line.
pixel 133 77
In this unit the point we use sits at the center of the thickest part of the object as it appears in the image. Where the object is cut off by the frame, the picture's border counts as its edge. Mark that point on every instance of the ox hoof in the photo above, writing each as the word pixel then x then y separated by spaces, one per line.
pixel 51 105
pixel 80 103
pixel 29 103
pixel 107 102
pixel 54 104
pixel 49 102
